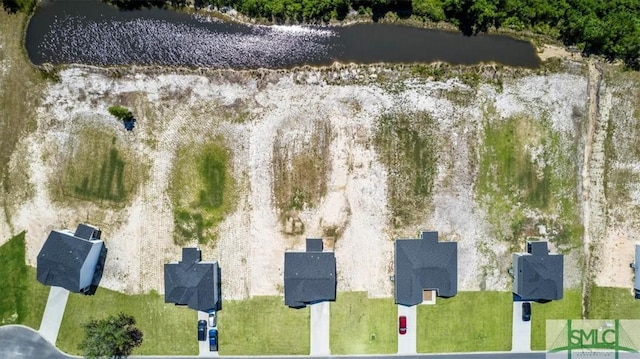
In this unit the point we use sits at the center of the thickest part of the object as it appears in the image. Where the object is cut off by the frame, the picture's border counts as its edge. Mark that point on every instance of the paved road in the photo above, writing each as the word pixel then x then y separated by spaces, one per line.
pixel 19 342
pixel 487 355
pixel 53 313
pixel 319 333
pixel 520 331
pixel 407 342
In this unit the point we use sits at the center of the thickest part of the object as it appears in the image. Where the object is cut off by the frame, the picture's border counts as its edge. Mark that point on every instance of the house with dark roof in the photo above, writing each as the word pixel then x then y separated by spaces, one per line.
pixel 425 265
pixel 537 274
pixel 193 283
pixel 72 260
pixel 309 276
pixel 636 270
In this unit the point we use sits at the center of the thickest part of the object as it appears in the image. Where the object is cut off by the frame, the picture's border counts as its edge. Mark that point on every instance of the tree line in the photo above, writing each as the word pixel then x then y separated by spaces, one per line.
pixel 609 28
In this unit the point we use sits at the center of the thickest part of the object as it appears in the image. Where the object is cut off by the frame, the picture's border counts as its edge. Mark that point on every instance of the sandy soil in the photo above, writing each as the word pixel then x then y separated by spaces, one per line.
pixel 177 109
pixel 553 51
pixel 622 217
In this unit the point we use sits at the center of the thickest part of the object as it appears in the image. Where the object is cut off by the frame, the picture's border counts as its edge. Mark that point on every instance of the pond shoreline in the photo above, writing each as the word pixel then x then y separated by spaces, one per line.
pixel 537 39
pixel 488 50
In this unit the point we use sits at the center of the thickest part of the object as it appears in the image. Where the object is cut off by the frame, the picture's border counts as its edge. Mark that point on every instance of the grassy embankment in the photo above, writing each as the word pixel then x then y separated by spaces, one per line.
pixel 168 329
pixel 263 326
pixel 20 89
pixel 23 298
pixel 202 191
pixel 360 325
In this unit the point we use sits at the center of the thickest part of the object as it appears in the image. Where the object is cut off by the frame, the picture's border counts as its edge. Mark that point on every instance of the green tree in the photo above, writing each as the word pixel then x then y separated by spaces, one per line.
pixel 25 6
pixel 474 16
pixel 120 112
pixel 114 336
pixel 430 9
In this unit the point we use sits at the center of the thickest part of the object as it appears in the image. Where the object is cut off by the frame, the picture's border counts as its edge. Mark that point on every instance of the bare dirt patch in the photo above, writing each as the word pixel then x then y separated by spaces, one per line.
pixel 554 51
pixel 294 131
pixel 621 179
pixel 300 168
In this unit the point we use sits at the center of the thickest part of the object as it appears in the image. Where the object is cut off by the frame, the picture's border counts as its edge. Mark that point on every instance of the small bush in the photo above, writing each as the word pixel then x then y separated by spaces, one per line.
pixel 120 112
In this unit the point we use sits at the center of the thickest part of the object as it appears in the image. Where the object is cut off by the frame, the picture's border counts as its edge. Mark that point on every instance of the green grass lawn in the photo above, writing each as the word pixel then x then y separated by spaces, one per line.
pixel 23 298
pixel 613 303
pixel 202 190
pixel 263 326
pixel 363 326
pixel 100 168
pixel 470 321
pixel 167 329
pixel 570 307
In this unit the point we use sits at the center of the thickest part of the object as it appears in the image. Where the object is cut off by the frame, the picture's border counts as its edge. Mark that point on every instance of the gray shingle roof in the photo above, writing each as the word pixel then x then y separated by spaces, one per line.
pixel 60 260
pixel 425 264
pixel 87 232
pixel 538 275
pixel 309 277
pixel 193 283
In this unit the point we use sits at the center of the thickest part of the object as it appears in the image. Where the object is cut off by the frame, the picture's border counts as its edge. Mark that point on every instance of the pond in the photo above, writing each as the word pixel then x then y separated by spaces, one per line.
pixel 96 33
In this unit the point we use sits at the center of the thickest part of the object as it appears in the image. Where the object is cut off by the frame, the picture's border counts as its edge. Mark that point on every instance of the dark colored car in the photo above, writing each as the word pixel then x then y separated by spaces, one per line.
pixel 526 311
pixel 402 325
pixel 202 330
pixel 213 340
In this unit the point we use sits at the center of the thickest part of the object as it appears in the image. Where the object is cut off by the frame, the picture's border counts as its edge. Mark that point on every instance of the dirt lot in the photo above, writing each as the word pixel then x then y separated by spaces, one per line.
pixel 256 115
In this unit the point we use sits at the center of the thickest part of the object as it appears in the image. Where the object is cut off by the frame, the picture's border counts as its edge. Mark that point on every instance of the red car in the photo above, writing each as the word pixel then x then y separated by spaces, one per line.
pixel 402 327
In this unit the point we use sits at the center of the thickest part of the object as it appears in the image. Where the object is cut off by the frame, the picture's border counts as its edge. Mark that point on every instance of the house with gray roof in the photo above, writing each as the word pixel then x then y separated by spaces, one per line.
pixel 537 274
pixel 425 264
pixel 636 270
pixel 309 276
pixel 71 260
pixel 193 283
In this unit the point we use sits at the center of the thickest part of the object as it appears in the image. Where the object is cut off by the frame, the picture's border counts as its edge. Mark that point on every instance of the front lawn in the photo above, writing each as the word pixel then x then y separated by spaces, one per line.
pixel 23 298
pixel 168 329
pixel 468 322
pixel 570 307
pixel 263 326
pixel 360 325
pixel 613 303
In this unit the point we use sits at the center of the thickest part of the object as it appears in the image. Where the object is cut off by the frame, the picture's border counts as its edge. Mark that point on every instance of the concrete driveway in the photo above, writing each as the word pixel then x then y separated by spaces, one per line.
pixel 521 330
pixel 407 342
pixel 53 312
pixel 203 347
pixel 319 341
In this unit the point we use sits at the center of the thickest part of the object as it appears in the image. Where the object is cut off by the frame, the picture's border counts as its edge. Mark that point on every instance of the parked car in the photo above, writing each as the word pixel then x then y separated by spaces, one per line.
pixel 402 325
pixel 526 311
pixel 212 318
pixel 213 340
pixel 202 330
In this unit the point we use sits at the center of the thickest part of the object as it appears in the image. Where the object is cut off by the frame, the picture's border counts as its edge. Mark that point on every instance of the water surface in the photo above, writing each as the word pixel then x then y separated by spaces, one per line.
pixel 92 32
